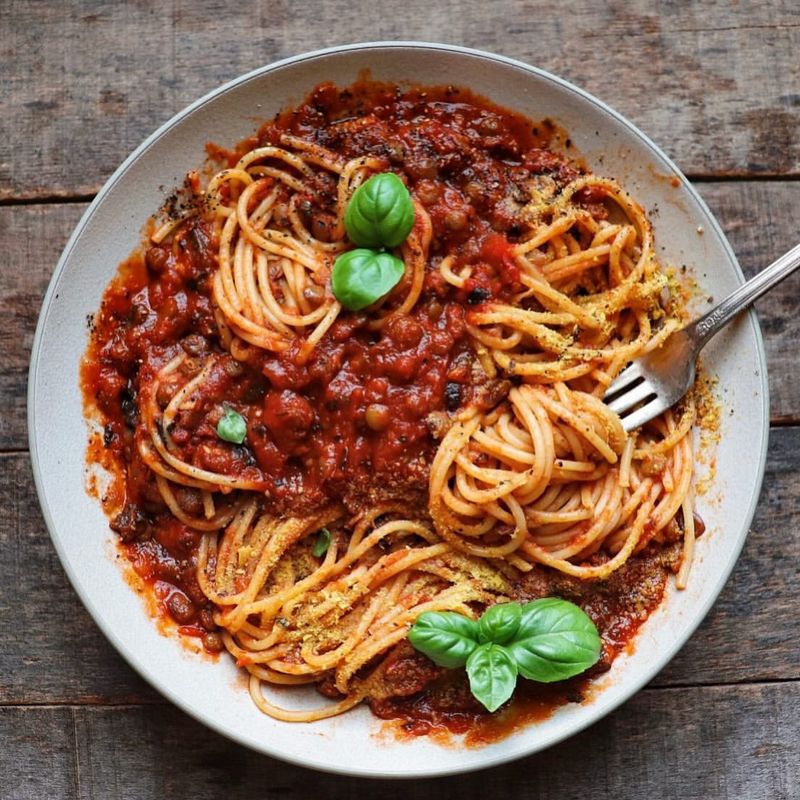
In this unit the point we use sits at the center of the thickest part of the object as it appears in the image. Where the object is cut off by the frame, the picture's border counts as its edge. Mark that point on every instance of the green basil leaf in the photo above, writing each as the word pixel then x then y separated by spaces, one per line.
pixel 323 543
pixel 492 675
pixel 446 637
pixel 499 623
pixel 380 212
pixel 360 277
pixel 232 427
pixel 555 641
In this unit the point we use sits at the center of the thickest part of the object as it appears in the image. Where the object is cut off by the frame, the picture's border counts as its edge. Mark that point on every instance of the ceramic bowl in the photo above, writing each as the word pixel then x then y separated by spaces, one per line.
pixel 213 692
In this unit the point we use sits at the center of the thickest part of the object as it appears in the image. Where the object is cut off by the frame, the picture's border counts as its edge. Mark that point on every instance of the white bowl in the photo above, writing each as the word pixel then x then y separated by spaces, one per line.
pixel 110 229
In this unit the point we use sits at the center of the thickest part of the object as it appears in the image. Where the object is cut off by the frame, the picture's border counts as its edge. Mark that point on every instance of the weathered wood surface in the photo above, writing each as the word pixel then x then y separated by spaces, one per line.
pixel 759 218
pixel 662 743
pixel 31 239
pixel 716 84
pixel 86 81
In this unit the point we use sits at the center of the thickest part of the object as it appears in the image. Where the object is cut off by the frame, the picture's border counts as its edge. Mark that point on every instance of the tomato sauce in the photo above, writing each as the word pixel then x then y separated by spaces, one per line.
pixel 357 421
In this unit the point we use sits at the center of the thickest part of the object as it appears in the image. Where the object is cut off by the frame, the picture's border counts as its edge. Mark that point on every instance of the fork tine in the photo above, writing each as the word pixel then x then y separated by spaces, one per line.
pixel 624 379
pixel 630 398
pixel 644 414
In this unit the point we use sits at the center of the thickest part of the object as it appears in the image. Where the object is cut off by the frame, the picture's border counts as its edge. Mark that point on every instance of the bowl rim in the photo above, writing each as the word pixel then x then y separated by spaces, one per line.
pixel 594 714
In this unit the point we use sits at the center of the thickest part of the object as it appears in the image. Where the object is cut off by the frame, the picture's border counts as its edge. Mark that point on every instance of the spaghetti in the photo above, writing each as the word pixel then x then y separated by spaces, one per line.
pixel 447 448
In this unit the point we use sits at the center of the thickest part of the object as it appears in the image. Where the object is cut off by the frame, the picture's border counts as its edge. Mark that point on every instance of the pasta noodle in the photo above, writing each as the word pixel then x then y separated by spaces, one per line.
pixel 425 453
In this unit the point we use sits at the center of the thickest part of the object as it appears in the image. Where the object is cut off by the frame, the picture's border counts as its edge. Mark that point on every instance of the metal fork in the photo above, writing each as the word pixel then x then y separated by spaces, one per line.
pixel 656 381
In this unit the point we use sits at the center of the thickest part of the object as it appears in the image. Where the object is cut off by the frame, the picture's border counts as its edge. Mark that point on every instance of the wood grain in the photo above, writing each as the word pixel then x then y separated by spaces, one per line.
pixel 31 239
pixel 678 744
pixel 37 755
pixel 112 72
pixel 759 219
pixel 756 612
pixel 51 651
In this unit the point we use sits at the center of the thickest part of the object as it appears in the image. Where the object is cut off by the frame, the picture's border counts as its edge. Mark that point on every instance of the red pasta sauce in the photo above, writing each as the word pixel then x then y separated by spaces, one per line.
pixel 357 421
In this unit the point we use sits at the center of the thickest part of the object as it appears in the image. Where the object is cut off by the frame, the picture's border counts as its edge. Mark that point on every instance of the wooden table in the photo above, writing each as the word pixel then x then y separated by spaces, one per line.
pixel 718 87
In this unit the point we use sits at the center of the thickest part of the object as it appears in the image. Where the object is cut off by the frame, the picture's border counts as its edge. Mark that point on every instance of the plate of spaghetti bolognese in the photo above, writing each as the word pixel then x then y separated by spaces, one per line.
pixel 330 465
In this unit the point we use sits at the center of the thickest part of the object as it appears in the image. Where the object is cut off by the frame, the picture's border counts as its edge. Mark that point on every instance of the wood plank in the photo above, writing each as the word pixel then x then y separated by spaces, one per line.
pixel 680 744
pixel 755 614
pixel 758 217
pixel 687 744
pixel 50 649
pixel 714 83
pixel 37 755
pixel 31 239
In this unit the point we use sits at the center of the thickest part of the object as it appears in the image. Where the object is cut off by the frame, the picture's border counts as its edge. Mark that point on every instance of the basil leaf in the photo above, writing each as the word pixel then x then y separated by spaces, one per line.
pixel 555 641
pixel 360 277
pixel 499 623
pixel 492 675
pixel 380 212
pixel 232 427
pixel 323 543
pixel 446 637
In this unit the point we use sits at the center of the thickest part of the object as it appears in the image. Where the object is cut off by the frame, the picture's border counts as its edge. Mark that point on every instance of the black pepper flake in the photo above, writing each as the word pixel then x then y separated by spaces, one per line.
pixel 452 396
pixel 574 695
pixel 108 435
pixel 478 295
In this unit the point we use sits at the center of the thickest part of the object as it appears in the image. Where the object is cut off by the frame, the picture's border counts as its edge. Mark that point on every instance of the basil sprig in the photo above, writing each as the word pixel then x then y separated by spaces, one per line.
pixel 446 637
pixel 553 642
pixel 500 623
pixel 545 640
pixel 232 427
pixel 323 543
pixel 380 215
pixel 492 674
pixel 380 212
pixel 360 277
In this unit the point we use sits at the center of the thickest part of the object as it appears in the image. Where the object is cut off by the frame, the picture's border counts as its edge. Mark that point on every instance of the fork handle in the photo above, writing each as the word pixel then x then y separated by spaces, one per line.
pixel 705 327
